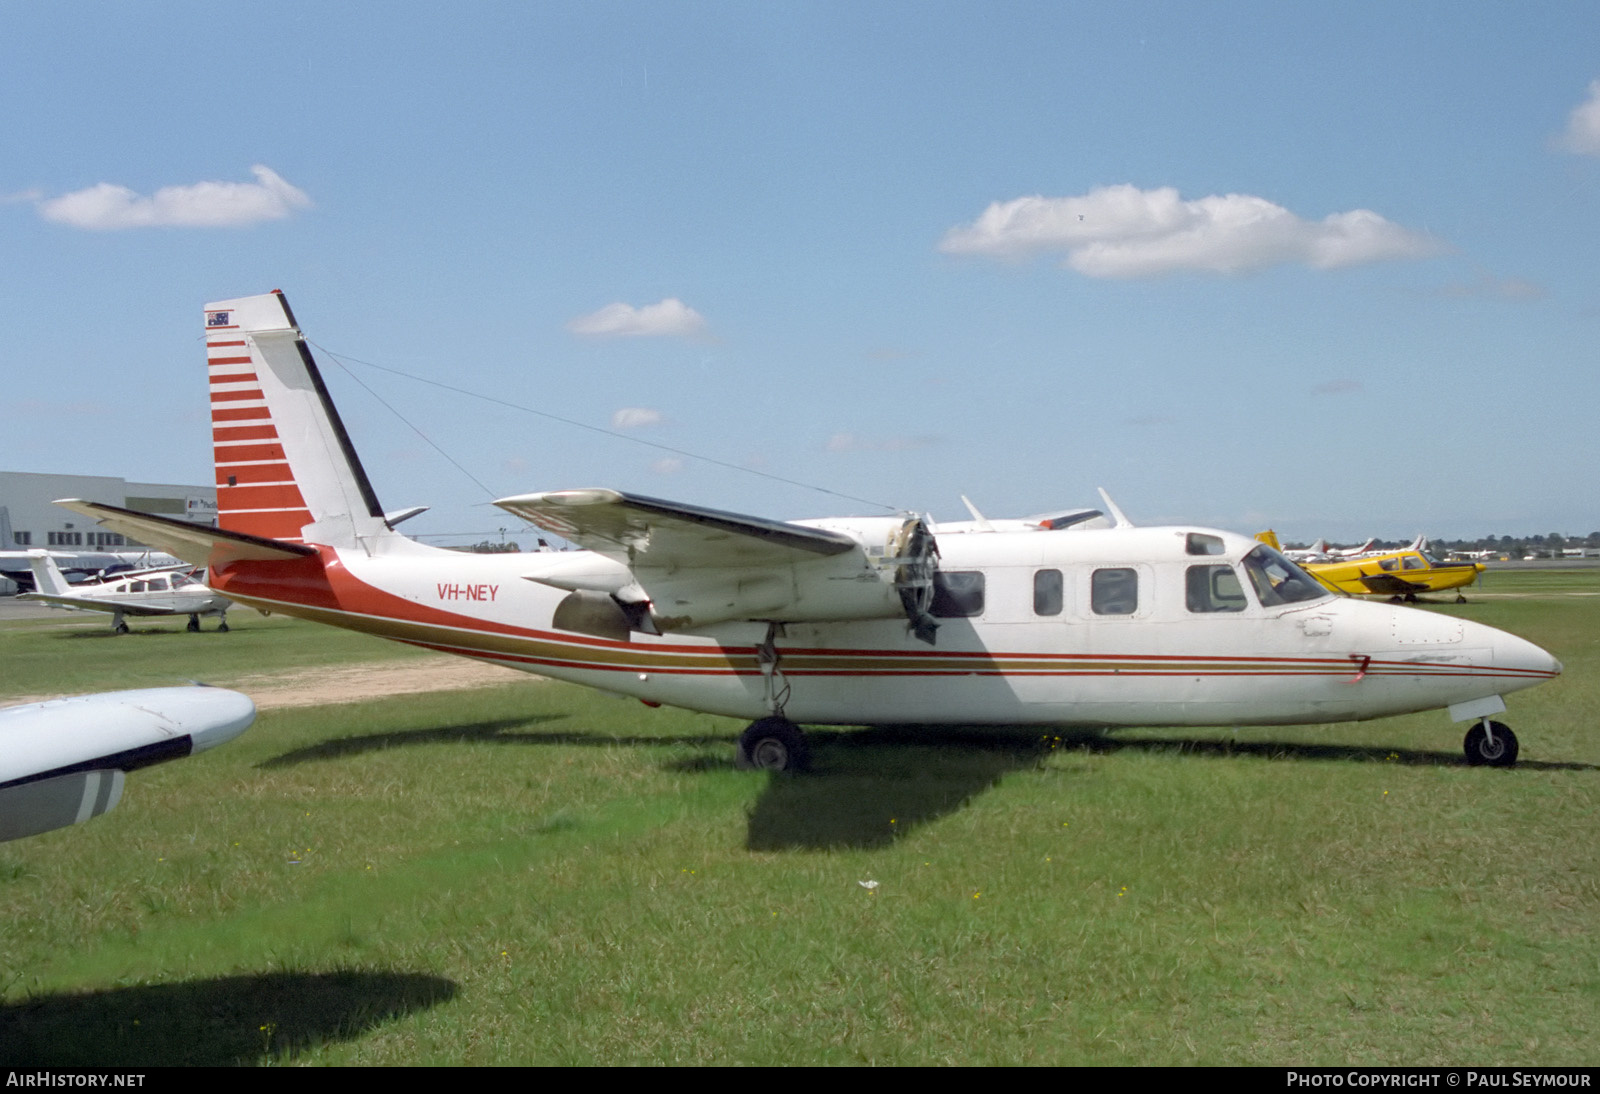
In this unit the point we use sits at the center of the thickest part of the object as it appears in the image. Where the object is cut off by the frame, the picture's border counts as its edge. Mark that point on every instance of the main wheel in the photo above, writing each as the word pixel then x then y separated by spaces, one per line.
pixel 194 624
pixel 1502 752
pixel 222 625
pixel 120 628
pixel 773 744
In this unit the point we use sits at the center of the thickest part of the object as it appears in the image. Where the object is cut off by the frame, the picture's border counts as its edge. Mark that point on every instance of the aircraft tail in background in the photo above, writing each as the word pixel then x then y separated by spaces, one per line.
pixel 47 576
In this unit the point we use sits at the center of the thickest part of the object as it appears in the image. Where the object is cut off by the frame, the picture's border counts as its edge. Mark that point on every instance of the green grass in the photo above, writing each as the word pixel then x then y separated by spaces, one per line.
pixel 76 651
pixel 536 874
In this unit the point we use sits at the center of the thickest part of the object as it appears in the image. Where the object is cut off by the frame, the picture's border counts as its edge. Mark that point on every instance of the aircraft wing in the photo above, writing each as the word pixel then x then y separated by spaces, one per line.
pixel 84 603
pixel 194 543
pixel 692 567
pixel 652 534
pixel 1390 585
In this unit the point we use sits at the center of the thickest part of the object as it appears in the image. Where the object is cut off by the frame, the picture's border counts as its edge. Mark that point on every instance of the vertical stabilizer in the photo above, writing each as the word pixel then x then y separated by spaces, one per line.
pixel 47 576
pixel 285 466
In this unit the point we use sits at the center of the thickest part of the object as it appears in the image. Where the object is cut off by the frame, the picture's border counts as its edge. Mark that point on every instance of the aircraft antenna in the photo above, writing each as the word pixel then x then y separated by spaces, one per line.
pixel 341 360
pixel 1117 515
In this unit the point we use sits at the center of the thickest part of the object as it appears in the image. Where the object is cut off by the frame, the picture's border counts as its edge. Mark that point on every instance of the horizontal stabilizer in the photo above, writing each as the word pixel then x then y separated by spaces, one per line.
pixel 194 543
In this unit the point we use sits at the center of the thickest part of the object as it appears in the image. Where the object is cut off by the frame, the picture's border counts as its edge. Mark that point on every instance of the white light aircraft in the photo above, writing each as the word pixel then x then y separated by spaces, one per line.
pixel 844 621
pixel 164 591
pixel 64 761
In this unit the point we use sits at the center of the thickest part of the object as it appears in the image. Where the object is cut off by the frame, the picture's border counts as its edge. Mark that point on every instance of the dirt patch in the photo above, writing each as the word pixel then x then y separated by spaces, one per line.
pixel 371 680
pixel 353 683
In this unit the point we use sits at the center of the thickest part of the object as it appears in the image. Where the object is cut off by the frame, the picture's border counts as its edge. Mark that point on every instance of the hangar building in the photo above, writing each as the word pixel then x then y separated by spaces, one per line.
pixel 28 519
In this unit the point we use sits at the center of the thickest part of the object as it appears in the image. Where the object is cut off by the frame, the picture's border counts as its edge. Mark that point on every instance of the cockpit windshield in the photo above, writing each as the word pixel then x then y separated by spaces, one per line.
pixel 1278 581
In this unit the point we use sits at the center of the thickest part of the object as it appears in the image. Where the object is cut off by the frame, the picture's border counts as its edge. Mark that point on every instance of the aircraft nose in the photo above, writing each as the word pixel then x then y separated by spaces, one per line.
pixel 1520 659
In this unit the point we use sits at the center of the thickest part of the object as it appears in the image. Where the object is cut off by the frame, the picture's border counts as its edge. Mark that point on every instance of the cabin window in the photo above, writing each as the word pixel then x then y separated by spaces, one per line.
pixel 1114 592
pixel 1388 563
pixel 158 584
pixel 1047 589
pixel 138 586
pixel 957 594
pixel 1278 581
pixel 1213 589
pixel 1198 543
pixel 1413 562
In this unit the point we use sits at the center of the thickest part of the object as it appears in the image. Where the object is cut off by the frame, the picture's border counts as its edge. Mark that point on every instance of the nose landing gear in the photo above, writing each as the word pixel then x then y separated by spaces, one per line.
pixel 1490 744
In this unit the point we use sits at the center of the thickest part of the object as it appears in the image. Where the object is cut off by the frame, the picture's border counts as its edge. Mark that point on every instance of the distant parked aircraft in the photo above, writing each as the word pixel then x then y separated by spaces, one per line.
pixel 165 591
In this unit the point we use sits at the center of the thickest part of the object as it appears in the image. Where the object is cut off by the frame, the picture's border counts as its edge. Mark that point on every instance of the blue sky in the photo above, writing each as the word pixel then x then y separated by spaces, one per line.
pixel 1330 269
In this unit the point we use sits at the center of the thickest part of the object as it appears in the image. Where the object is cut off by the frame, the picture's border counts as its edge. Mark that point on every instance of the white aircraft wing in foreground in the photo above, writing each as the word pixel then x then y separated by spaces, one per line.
pixel 64 761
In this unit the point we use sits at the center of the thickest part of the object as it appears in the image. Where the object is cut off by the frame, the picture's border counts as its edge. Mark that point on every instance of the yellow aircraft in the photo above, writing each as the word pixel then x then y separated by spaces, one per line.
pixel 1400 574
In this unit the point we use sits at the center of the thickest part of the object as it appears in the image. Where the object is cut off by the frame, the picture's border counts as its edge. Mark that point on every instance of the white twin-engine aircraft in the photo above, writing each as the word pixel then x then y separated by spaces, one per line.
pixel 1062 620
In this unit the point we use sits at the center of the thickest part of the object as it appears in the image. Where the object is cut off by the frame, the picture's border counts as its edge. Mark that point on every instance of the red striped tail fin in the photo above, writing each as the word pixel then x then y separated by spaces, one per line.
pixel 285 467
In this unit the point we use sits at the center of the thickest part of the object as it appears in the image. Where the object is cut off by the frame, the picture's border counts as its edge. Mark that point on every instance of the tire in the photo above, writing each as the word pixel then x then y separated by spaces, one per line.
pixel 773 744
pixel 1479 752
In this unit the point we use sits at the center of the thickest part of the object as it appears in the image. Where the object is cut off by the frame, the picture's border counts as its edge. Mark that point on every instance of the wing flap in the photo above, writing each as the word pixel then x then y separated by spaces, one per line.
pixel 194 543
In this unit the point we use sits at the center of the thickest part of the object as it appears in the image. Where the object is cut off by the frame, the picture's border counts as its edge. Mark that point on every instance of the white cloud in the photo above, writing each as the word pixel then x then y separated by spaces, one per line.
pixel 107 207
pixel 635 417
pixel 670 317
pixel 1583 125
pixel 1122 231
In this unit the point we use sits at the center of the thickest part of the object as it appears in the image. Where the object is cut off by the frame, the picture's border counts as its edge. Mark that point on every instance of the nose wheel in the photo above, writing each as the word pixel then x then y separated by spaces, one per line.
pixel 773 744
pixel 1490 744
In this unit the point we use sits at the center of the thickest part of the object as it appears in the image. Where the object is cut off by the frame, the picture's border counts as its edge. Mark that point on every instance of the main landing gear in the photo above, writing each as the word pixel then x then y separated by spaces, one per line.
pixel 773 744
pixel 1490 744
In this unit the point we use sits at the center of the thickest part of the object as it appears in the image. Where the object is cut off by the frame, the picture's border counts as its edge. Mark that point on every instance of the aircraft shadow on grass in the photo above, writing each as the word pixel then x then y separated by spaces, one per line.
pixel 499 731
pixel 869 786
pixel 210 1023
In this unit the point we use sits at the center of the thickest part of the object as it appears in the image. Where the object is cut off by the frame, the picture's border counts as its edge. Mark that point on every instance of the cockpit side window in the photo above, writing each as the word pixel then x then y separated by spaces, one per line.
pixel 1277 581
pixel 1413 562
pixel 1213 589
pixel 1114 591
